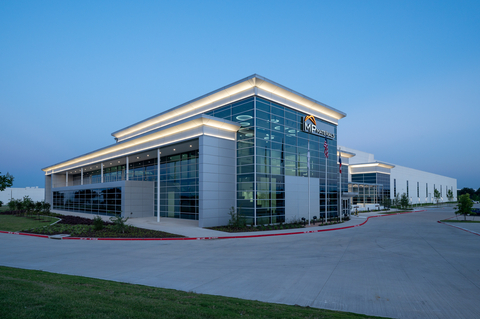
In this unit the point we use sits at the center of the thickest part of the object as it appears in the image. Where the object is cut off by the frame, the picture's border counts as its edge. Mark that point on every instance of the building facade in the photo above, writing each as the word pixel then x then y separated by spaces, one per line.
pixel 373 180
pixel 254 145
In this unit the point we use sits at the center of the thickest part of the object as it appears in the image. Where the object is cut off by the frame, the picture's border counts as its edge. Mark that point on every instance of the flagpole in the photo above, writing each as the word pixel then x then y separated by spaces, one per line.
pixel 326 194
pixel 341 210
pixel 325 151
pixel 308 171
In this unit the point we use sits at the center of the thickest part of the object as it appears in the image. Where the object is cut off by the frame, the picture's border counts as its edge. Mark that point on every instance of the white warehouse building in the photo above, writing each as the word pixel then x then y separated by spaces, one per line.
pixel 35 193
pixel 372 179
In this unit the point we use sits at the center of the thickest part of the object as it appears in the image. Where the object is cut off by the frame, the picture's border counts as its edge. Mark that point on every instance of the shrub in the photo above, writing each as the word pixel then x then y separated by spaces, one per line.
pixel 97 223
pixel 119 223
pixel 236 221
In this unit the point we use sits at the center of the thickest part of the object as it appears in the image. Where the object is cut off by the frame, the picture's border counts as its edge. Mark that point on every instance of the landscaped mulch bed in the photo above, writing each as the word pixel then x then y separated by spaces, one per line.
pixel 108 231
pixel 77 226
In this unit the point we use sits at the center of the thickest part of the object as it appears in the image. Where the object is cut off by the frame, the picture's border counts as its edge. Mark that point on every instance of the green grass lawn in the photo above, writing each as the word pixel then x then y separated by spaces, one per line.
pixel 459 221
pixel 18 223
pixel 38 294
pixel 390 213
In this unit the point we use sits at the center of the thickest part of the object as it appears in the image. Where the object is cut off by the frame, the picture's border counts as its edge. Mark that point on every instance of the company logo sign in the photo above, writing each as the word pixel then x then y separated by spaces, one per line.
pixel 310 126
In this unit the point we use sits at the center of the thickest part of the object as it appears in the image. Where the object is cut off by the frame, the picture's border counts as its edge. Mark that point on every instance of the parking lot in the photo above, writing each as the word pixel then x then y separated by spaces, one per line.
pixel 405 266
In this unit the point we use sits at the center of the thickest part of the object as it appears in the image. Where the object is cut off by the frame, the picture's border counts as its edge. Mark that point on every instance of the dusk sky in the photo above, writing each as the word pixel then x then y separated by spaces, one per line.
pixel 406 73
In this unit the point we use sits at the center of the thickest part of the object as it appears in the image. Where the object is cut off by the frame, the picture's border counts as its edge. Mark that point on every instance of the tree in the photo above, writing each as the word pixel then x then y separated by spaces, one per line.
pixel 27 204
pixel 465 205
pixel 404 201
pixel 386 203
pixel 396 200
pixel 436 194
pixel 37 207
pixel 466 190
pixel 13 204
pixel 5 181
pixel 450 195
pixel 477 195
pixel 46 207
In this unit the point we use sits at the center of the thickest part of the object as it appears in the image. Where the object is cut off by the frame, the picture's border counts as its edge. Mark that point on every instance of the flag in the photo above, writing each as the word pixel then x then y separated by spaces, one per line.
pixel 325 145
pixel 340 161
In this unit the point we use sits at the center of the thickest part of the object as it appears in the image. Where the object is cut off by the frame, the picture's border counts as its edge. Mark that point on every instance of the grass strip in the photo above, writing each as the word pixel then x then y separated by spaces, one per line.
pixel 39 294
pixel 392 213
pixel 18 223
pixel 459 221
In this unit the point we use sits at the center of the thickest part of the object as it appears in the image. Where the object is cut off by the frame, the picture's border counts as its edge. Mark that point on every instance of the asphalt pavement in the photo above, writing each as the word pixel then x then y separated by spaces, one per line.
pixel 402 266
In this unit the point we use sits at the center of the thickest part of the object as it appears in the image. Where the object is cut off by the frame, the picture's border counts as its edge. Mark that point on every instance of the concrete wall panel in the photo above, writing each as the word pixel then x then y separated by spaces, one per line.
pixel 217 182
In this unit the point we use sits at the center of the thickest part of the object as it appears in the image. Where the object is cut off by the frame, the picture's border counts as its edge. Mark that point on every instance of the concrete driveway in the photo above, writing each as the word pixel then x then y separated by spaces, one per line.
pixel 405 266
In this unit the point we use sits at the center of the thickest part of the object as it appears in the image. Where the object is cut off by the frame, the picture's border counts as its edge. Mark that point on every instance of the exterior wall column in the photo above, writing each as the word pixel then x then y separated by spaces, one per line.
pixel 364 195
pixel 126 170
pixel 81 176
pixel 66 179
pixel 101 172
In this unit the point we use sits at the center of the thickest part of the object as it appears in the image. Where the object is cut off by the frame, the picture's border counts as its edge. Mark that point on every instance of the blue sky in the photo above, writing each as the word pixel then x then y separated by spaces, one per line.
pixel 407 73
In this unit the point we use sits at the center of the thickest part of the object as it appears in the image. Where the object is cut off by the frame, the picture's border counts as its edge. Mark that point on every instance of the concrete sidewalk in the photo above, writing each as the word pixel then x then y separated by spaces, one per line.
pixel 189 228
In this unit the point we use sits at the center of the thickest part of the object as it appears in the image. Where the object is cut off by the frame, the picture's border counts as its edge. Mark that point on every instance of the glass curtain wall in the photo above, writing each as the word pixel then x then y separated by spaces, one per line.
pixel 102 201
pixel 270 145
pixel 178 186
pixel 282 150
pixel 383 190
pixel 242 112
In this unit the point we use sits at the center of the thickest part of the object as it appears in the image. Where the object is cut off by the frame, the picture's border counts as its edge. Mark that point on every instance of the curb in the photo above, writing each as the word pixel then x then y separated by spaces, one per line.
pixel 24 234
pixel 461 228
pixel 210 238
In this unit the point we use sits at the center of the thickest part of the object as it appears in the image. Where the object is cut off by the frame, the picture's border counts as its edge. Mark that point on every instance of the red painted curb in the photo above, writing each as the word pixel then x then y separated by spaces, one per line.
pixel 24 234
pixel 464 229
pixel 224 237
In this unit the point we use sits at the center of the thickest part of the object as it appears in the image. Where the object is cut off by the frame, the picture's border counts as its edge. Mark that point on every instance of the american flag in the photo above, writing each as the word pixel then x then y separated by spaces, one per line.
pixel 340 161
pixel 325 145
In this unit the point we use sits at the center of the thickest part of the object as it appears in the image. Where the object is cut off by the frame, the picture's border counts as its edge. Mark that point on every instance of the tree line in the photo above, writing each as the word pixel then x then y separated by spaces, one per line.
pixel 474 195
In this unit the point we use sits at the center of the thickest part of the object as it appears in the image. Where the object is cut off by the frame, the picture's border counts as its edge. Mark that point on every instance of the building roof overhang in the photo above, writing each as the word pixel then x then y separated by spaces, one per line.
pixel 373 164
pixel 253 81
pixel 345 154
pixel 137 143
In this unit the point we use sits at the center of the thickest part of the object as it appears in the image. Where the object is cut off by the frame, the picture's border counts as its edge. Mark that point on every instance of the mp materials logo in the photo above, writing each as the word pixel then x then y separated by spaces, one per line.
pixel 310 126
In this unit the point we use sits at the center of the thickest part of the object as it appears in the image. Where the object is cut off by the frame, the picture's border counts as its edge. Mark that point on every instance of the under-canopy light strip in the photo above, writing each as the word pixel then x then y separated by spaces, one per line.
pixel 117 148
pixel 140 150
